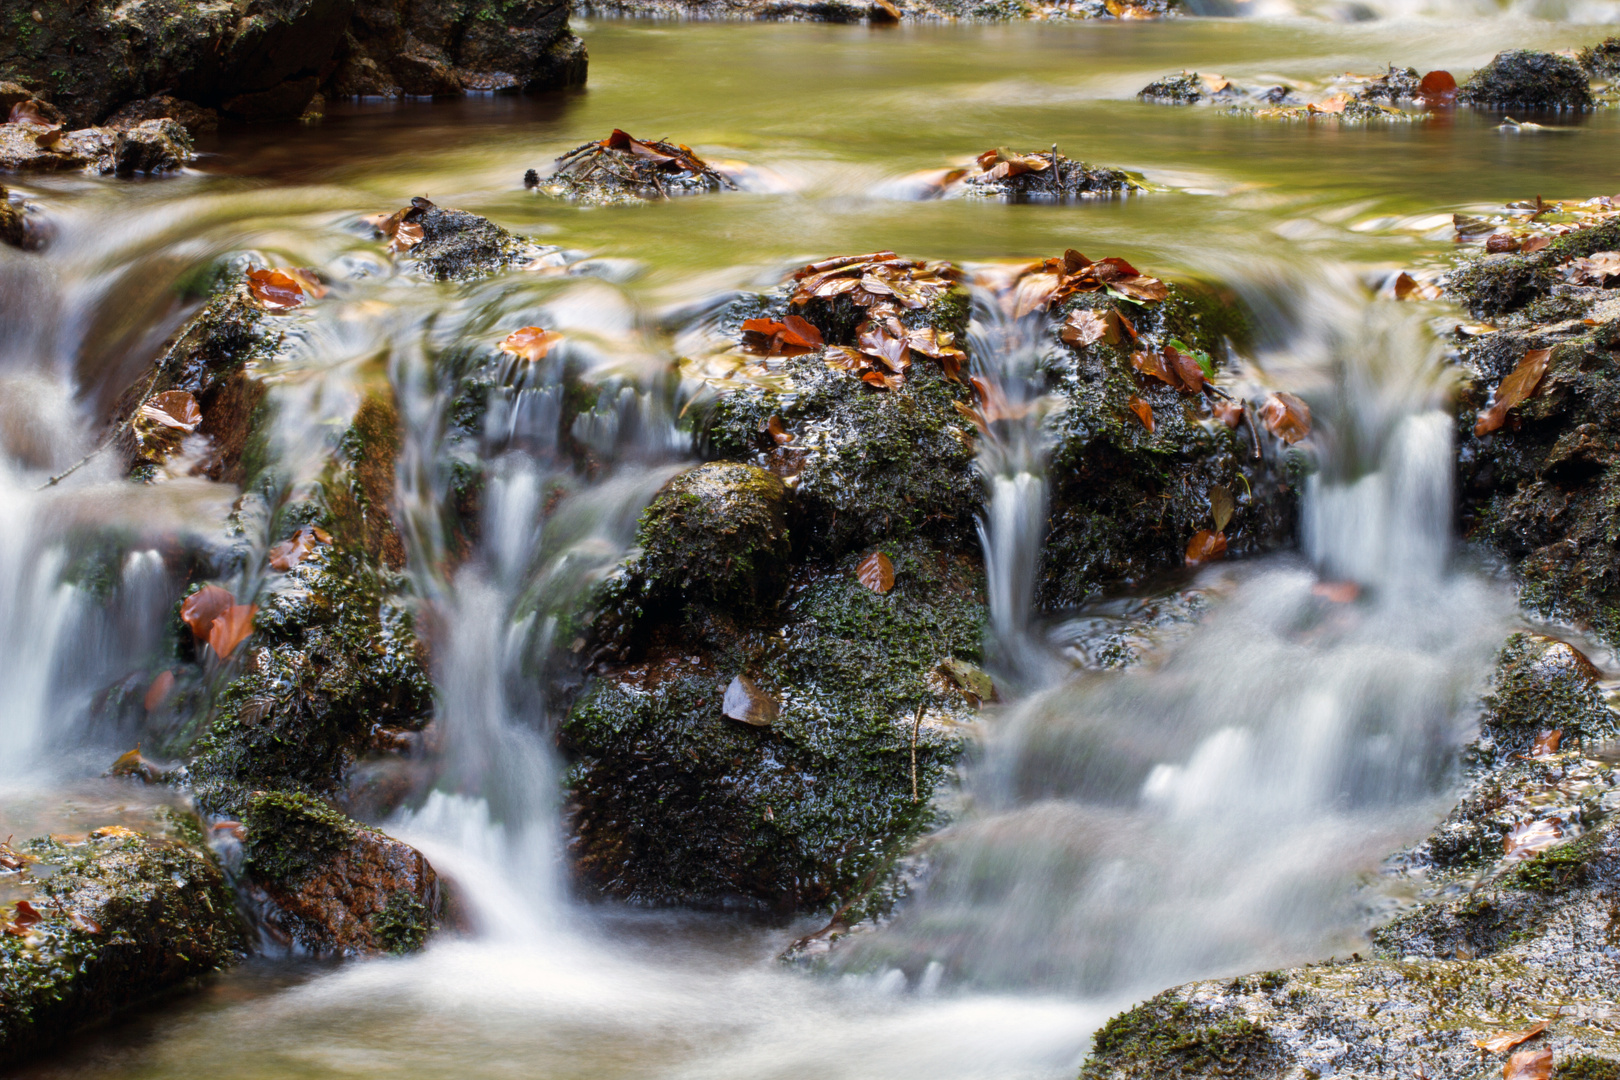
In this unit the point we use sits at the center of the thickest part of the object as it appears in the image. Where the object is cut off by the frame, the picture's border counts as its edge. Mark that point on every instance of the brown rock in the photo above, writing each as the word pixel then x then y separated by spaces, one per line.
pixel 12 229
pixel 424 70
pixel 20 150
pixel 194 118
pixel 284 101
pixel 151 146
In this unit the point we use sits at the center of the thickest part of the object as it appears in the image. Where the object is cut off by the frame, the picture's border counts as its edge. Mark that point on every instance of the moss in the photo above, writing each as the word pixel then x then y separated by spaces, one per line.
pixel 1540 685
pixel 674 803
pixel 1557 869
pixel 1525 79
pixel 290 834
pixel 403 924
pixel 1167 1037
pixel 1587 1067
pixel 458 246
pixel 1492 285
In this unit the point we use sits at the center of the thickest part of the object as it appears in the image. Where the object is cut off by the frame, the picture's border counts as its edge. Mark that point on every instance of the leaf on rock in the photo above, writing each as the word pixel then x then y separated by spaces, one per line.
pixel 158 692
pixel 201 608
pixel 1534 244
pixel 298 547
pixel 27 914
pixel 407 236
pixel 780 435
pixel 1334 104
pixel 232 626
pixel 1529 1065
pixel 1515 388
pixel 173 409
pixel 1408 287
pixel 746 702
pixel 1205 546
pixel 1507 1040
pixel 1547 743
pixel 30 111
pixel 530 342
pixel 275 290
pixel 1286 417
pixel 1033 293
pixel 1087 326
pixel 1221 506
pixel 1595 269
pixel 876 572
pixel 1229 413
pixel 1000 164
pixel 1140 287
pixel 1530 837
pixel 1143 411
pixel 969 678
pixel 1187 369
pixel 84 923
pixel 1501 243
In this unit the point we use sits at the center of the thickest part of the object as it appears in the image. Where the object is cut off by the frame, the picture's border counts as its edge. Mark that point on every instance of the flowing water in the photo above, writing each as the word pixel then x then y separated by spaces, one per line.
pixel 1221 807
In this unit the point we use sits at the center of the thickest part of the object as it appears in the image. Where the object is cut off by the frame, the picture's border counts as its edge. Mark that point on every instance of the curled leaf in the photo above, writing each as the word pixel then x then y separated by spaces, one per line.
pixel 1143 411
pixel 1087 326
pixel 1229 413
pixel 233 625
pixel 1205 546
pixel 530 342
pixel 1221 506
pixel 1529 1065
pixel 746 702
pixel 201 608
pixel 1515 388
pixel 780 435
pixel 876 572
pixel 1286 417
pixel 298 547
pixel 407 236
pixel 173 409
pixel 27 914
pixel 1408 287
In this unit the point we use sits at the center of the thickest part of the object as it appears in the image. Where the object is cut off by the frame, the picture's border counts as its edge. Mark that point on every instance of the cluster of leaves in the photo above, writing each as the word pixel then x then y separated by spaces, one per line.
pixel 1039 286
pixel 283 288
pixel 37 114
pixel 640 164
pixel 217 620
pixel 1529 225
pixel 402 227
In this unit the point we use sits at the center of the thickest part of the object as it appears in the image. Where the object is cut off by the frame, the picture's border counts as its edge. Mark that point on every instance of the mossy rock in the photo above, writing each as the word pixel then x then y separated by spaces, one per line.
pixel 716 534
pixel 1601 60
pixel 1525 79
pixel 1503 283
pixel 1167 1037
pixel 1587 1067
pixel 458 246
pixel 125 916
pixel 1124 500
pixel 1542 684
pixel 672 802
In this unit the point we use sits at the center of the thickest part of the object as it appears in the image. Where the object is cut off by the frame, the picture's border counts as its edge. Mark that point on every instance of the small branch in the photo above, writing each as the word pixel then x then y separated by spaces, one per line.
pixel 916 724
pixel 1057 172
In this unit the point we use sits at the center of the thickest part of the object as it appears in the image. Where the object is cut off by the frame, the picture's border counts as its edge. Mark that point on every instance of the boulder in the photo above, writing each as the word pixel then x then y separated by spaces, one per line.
pixel 1601 61
pixel 458 246
pixel 1063 178
pixel 151 146
pixel 194 118
pixel 35 148
pixel 1524 79
pixel 97 924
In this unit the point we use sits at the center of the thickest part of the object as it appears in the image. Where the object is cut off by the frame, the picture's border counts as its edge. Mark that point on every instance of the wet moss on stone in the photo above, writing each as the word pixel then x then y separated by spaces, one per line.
pixel 1587 1067
pixel 458 246
pixel 1168 1037
pixel 290 834
pixel 1498 284
pixel 1540 685
pixel 1556 869
pixel 1525 79
pixel 404 924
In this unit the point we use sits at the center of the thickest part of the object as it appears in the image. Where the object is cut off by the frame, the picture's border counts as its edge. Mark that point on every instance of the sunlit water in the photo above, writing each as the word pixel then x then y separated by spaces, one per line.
pixel 1207 813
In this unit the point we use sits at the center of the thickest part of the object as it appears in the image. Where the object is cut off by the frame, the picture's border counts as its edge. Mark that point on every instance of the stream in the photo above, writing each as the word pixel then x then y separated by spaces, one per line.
pixel 1222 808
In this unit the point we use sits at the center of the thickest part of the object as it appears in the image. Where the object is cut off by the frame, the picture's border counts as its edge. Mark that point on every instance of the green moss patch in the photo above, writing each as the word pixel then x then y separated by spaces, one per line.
pixel 1167 1037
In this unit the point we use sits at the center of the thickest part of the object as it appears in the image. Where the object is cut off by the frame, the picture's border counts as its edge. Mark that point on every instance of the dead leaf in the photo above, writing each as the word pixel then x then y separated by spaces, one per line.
pixel 1334 104
pixel 876 572
pixel 1229 413
pixel 173 409
pixel 158 692
pixel 1186 368
pixel 1500 243
pixel 969 678
pixel 1529 838
pixel 1340 592
pixel 1595 269
pixel 1087 326
pixel 1205 546
pixel 298 547
pixel 131 763
pixel 1518 386
pixel 84 923
pixel 27 914
pixel 1033 293
pixel 112 832
pixel 1408 287
pixel 778 433
pixel 745 701
pixel 1546 743
pixel 1221 506
pixel 530 342
pixel 407 236
pixel 1529 1065
pixel 201 608
pixel 1286 417
pixel 1507 1040
pixel 233 625
pixel 1153 363
pixel 275 290
pixel 1438 88
pixel 1141 287
pixel 890 12
pixel 1534 244
pixel 31 111
pixel 1143 411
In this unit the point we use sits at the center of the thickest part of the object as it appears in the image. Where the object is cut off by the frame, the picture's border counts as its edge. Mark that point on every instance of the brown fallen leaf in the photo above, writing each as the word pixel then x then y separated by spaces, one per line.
pixel 1507 1040
pixel 1339 592
pixel 1475 329
pixel 1087 326
pixel 1529 1065
pixel 159 691
pixel 876 572
pixel 31 111
pixel 275 290
pixel 1334 104
pixel 1529 838
pixel 1519 384
pixel 1221 506
pixel 1547 743
pixel 1229 413
pixel 780 435
pixel 298 547
pixel 1500 243
pixel 132 764
pixel 201 608
pixel 173 409
pixel 1205 546
pixel 1143 411
pixel 1534 244
pixel 1286 417
pixel 1186 369
pixel 27 914
pixel 1155 364
pixel 84 923
pixel 530 342
pixel 746 702
pixel 1438 88
pixel 112 832
pixel 890 13
pixel 1595 269
pixel 1408 287
pixel 232 626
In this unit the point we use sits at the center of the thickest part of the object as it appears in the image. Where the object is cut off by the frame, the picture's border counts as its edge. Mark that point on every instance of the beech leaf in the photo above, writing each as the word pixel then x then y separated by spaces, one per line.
pixel 298 547
pixel 1229 413
pixel 173 409
pixel 27 914
pixel 1547 743
pixel 1088 326
pixel 1515 388
pixel 530 342
pixel 1529 1065
pixel 1143 411
pixel 233 625
pixel 1408 287
pixel 1205 546
pixel 276 290
pixel 201 608
pixel 876 572
pixel 746 702
pixel 1286 417
pixel 1507 1040
pixel 1221 506
pixel 781 435
pixel 1438 88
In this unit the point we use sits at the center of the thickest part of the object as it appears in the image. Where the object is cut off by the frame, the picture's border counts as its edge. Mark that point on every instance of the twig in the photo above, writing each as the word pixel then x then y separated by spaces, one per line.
pixel 1057 172
pixel 146 395
pixel 916 724
pixel 1254 433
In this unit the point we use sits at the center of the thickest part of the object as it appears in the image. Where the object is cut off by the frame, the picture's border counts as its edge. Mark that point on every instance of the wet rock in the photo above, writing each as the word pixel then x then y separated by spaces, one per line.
pixel 194 118
pixel 333 886
pixel 1394 86
pixel 717 534
pixel 151 146
pixel 881 11
pixel 1169 1036
pixel 1523 79
pixel 1541 684
pixel 1125 500
pixel 458 246
pixel 621 169
pixel 121 916
pixel 1188 88
pixel 1601 61
pixel 13 227
pixel 1061 178
pixel 672 802
pixel 21 148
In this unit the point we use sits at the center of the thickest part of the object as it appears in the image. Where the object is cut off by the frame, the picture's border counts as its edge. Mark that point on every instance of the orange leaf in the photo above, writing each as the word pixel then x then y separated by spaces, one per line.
pixel 804 330
pixel 407 236
pixel 84 922
pixel 1438 88
pixel 202 607
pixel 158 692
pixel 1141 287
pixel 1205 546
pixel 1087 326
pixel 1507 1040
pixel 1334 104
pixel 1286 417
pixel 1032 293
pixel 778 432
pixel 1529 1065
pixel 233 625
pixel 746 702
pixel 1152 363
pixel 1534 244
pixel 1408 287
pixel 1143 411
pixel 1186 368
pixel 1517 387
pixel 298 547
pixel 530 342
pixel 173 408
pixel 275 289
pixel 1547 743
pixel 1229 413
pixel 876 572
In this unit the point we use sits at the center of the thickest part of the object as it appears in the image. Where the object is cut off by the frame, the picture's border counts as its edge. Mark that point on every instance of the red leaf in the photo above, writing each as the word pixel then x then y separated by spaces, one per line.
pixel 202 607
pixel 1205 546
pixel 1517 387
pixel 530 342
pixel 275 289
pixel 1438 88
pixel 173 408
pixel 1229 413
pixel 27 914
pixel 1286 417
pixel 233 625
pixel 1143 411
pixel 84 922
pixel 1546 743
pixel 876 572
pixel 158 692
pixel 298 547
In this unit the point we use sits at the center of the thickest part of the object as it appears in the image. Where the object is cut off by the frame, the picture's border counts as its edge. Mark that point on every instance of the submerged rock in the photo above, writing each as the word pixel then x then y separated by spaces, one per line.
pixel 1523 79
pixel 458 246
pixel 99 924
pixel 1021 177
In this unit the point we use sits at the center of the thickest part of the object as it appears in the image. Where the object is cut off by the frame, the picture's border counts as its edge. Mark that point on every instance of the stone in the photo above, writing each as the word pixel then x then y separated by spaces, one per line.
pixel 194 118
pixel 1524 79
pixel 458 246
pixel 1601 61
pixel 150 146
pixel 13 228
